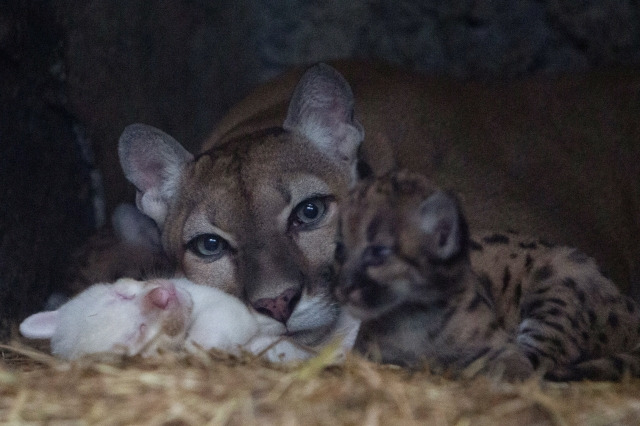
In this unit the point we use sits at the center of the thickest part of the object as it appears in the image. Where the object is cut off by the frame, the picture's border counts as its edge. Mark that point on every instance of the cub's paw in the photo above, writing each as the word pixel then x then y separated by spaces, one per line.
pixel 509 365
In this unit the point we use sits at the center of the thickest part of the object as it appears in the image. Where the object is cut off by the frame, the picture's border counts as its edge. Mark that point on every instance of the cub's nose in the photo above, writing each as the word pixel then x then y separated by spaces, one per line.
pixel 281 307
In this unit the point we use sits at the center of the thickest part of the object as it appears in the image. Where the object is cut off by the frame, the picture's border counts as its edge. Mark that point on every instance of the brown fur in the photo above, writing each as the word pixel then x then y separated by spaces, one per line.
pixel 129 248
pixel 489 143
pixel 516 302
pixel 552 155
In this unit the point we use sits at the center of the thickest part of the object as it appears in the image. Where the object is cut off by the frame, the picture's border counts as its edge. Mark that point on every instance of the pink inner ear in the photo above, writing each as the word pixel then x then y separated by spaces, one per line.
pixel 40 326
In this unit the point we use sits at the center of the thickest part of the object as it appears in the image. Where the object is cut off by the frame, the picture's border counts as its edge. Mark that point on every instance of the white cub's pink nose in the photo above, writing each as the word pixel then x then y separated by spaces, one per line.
pixel 163 295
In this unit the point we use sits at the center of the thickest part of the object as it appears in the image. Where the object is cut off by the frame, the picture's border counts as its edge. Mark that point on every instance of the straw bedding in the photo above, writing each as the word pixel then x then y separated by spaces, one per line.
pixel 210 388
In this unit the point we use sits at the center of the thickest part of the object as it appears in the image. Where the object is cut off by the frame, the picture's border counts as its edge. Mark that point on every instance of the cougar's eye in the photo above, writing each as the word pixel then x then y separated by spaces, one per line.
pixel 209 246
pixel 309 212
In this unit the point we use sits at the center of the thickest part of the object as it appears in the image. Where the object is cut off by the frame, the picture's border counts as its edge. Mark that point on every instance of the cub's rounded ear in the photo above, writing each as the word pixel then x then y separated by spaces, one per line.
pixel 153 162
pixel 133 227
pixel 442 221
pixel 40 326
pixel 321 109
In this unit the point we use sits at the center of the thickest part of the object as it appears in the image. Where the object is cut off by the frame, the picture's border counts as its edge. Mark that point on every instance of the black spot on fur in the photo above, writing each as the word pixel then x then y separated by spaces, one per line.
pixel 585 336
pixel 529 348
pixel 372 228
pixel 475 302
pixel 517 294
pixel 491 329
pixel 546 243
pixel 496 239
pixel 612 298
pixel 528 246
pixel 592 317
pixel 485 283
pixel 573 321
pixel 570 283
pixel 534 359
pixel 556 326
pixel 340 254
pixel 597 350
pixel 475 246
pixel 363 169
pixel 542 273
pixel 528 309
pixel 481 353
pixel 440 304
pixel 630 306
pixel 613 320
pixel 557 301
pixel 573 340
pixel 582 297
pixel 619 364
pixel 603 338
pixel 576 256
pixel 513 255
pixel 506 279
pixel 538 337
pixel 528 263
pixel 554 312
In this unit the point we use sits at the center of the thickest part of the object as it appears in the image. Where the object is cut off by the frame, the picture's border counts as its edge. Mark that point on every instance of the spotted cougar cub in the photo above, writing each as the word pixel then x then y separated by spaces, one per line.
pixel 426 292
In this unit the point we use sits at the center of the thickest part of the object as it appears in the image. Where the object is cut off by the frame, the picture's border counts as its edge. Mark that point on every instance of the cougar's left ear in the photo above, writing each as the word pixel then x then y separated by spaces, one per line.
pixel 153 162
pixel 321 109
pixel 442 221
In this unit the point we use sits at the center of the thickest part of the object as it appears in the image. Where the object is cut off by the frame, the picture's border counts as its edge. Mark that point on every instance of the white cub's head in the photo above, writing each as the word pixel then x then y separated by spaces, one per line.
pixel 129 317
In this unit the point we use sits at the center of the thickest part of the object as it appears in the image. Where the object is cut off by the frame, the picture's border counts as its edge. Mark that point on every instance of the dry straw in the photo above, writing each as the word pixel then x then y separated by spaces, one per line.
pixel 210 388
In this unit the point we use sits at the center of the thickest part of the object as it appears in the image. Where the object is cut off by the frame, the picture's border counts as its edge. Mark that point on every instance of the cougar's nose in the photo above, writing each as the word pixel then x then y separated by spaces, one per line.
pixel 281 307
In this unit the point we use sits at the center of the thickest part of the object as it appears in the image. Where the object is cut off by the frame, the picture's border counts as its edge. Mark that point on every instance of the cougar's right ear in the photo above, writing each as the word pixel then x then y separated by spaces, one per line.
pixel 321 109
pixel 153 162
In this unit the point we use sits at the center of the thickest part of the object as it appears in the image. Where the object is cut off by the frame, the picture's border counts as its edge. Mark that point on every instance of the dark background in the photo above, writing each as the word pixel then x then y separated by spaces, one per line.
pixel 74 73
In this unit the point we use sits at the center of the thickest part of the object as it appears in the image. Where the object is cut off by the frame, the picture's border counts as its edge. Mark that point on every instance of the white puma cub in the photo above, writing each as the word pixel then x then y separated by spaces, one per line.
pixel 142 318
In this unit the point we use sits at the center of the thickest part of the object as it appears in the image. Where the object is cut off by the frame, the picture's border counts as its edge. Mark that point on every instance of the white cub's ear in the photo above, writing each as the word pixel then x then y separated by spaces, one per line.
pixel 133 227
pixel 153 162
pixel 441 220
pixel 40 326
pixel 321 109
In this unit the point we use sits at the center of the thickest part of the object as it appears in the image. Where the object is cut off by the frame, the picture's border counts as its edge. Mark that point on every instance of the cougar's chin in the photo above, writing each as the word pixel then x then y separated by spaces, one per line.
pixel 313 320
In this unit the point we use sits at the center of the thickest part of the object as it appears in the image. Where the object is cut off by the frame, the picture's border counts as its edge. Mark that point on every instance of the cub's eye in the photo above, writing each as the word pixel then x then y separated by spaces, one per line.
pixel 309 212
pixel 210 246
pixel 124 296
pixel 375 255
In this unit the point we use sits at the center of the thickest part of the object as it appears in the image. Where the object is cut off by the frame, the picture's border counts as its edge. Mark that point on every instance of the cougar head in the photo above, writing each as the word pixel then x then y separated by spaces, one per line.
pixel 256 216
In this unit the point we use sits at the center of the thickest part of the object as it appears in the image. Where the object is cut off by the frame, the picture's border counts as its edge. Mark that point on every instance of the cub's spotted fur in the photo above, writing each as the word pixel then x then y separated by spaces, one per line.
pixel 427 292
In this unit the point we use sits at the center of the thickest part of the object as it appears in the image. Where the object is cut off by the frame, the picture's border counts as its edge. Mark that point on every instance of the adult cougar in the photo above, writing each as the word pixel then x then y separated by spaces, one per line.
pixel 255 213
